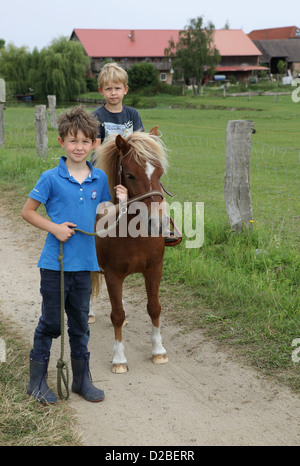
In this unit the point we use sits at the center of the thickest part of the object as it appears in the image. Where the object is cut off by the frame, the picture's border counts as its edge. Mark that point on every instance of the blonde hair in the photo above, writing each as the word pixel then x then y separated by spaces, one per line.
pixel 112 72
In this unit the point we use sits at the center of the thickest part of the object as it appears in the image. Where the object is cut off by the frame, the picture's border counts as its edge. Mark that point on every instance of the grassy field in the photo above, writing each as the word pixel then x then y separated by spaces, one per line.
pixel 249 282
pixel 272 118
pixel 242 289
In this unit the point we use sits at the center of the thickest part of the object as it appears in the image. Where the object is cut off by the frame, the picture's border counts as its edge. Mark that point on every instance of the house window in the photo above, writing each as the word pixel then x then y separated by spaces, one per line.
pixel 163 77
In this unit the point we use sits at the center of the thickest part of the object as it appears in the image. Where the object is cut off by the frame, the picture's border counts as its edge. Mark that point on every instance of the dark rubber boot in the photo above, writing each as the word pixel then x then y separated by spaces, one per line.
pixel 82 381
pixel 37 387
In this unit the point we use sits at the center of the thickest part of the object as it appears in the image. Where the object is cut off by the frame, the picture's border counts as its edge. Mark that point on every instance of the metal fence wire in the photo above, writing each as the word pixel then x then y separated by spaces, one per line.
pixel 197 169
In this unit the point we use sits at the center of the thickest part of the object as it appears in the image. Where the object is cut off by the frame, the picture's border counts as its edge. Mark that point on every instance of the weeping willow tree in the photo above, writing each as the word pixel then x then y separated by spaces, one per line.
pixel 195 53
pixel 14 65
pixel 60 70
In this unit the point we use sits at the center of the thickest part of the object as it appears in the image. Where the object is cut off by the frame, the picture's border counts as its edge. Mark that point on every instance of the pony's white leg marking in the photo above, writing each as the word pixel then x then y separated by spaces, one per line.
pixel 119 356
pixel 157 347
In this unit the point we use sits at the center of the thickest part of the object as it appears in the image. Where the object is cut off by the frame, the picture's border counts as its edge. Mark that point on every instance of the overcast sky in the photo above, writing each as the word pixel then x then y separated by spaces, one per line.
pixel 35 23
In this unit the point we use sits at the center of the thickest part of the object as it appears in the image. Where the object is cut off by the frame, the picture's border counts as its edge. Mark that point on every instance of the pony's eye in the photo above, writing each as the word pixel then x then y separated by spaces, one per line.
pixel 130 176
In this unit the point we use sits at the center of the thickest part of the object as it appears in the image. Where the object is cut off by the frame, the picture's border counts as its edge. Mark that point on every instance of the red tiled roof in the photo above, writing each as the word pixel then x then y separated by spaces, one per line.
pixel 275 33
pixel 120 43
pixel 234 42
pixel 114 43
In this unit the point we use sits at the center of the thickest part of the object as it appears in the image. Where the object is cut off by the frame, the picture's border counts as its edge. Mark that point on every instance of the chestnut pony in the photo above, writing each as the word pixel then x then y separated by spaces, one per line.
pixel 137 163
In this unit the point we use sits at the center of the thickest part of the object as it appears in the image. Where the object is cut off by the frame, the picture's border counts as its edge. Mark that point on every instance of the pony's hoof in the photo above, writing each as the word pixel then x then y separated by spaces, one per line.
pixel 92 319
pixel 119 368
pixel 160 359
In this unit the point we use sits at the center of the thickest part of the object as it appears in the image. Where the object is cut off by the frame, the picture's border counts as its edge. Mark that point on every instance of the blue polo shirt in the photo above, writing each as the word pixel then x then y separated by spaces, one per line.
pixel 66 200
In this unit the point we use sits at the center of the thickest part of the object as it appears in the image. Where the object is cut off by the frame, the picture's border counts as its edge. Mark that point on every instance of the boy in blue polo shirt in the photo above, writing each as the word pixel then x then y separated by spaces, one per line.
pixel 71 193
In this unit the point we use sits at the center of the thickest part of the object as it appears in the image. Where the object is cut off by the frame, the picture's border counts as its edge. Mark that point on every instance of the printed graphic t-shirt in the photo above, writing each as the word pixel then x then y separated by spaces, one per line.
pixel 123 123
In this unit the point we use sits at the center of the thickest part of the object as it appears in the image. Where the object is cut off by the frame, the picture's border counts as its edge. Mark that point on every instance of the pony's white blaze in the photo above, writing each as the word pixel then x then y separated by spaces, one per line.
pixel 157 347
pixel 149 170
pixel 119 356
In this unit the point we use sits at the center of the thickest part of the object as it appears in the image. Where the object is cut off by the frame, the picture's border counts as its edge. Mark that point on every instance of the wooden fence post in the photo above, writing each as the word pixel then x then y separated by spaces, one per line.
pixel 52 110
pixel 41 137
pixel 1 125
pixel 2 101
pixel 237 173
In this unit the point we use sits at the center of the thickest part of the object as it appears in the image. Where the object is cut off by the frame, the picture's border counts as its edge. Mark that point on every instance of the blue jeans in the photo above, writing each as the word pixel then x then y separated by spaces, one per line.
pixel 77 293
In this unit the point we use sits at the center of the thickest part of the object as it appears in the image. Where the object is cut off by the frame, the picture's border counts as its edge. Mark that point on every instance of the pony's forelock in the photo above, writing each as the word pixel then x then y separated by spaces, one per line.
pixel 147 148
pixel 144 147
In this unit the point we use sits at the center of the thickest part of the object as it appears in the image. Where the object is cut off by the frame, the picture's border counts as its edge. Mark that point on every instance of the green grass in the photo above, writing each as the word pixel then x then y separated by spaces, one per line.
pixel 276 122
pixel 241 288
pixel 208 115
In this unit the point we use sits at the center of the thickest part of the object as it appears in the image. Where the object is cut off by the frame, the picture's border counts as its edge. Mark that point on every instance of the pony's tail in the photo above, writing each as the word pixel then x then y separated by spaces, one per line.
pixel 96 280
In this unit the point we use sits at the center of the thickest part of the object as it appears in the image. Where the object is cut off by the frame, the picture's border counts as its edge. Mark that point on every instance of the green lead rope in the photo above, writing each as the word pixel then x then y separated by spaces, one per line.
pixel 62 367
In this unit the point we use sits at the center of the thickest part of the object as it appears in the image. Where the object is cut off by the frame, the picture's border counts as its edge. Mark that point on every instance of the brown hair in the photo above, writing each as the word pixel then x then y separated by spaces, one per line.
pixel 77 119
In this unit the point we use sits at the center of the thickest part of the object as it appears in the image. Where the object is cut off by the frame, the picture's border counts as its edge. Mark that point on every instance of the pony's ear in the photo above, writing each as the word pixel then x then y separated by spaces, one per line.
pixel 154 131
pixel 122 145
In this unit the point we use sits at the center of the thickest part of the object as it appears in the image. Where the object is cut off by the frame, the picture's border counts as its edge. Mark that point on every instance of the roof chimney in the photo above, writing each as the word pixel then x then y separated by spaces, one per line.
pixel 132 36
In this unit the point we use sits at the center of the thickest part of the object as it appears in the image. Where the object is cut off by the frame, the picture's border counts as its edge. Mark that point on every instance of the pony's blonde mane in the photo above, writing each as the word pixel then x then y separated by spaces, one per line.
pixel 144 148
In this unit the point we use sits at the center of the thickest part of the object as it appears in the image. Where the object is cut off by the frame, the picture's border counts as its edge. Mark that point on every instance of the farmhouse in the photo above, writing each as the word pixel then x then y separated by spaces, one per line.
pixel 279 44
pixel 239 56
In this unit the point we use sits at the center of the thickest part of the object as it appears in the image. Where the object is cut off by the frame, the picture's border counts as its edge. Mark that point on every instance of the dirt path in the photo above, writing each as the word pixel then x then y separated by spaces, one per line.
pixel 201 397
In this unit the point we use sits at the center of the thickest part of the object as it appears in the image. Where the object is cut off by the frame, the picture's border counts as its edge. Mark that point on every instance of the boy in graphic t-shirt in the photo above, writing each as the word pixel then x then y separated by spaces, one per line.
pixel 114 117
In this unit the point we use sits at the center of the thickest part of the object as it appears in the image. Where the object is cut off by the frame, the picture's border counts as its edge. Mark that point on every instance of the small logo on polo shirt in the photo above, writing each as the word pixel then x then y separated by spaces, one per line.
pixel 94 194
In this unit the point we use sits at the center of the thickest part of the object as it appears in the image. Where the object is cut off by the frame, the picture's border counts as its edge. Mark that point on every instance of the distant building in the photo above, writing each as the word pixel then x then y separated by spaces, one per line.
pixel 290 32
pixel 279 44
pixel 239 56
pixel 127 47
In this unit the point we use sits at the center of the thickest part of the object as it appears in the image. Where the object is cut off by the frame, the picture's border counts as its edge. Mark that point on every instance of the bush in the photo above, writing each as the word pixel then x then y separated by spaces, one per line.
pixel 165 88
pixel 91 84
pixel 142 75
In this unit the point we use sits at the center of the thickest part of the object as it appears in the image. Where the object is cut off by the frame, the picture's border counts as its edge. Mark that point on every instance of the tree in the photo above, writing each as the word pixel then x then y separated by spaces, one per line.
pixel 56 70
pixel 195 53
pixel 61 69
pixel 142 75
pixel 281 66
pixel 14 65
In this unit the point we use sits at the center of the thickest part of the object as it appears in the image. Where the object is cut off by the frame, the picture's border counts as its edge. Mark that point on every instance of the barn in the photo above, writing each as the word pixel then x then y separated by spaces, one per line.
pixel 278 44
pixel 239 56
